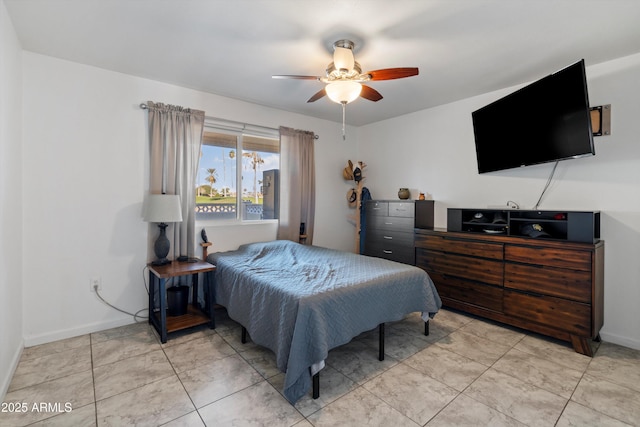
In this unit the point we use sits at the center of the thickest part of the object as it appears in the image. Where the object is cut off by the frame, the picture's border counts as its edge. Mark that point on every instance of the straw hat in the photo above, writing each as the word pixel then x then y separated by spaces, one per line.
pixel 347 172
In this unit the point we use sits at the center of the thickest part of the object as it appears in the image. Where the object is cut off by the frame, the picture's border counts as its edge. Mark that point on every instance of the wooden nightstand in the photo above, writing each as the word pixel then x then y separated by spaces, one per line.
pixel 196 315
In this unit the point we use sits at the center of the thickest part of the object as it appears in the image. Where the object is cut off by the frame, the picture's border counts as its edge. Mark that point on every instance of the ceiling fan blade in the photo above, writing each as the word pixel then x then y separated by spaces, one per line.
pixel 393 73
pixel 317 96
pixel 286 76
pixel 370 93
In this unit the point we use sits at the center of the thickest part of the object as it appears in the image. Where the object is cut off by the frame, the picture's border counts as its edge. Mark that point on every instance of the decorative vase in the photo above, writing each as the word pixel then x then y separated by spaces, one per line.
pixel 404 194
pixel 421 197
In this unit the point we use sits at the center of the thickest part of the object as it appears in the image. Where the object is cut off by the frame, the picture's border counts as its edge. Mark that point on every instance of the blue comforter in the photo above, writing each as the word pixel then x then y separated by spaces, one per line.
pixel 302 301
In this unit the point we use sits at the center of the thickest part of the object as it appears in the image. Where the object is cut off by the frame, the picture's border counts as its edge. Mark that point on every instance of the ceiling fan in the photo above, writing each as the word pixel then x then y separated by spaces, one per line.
pixel 345 80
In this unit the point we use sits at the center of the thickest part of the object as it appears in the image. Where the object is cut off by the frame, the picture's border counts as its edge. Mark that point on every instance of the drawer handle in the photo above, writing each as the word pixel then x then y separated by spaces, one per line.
pixel 529 294
pixel 388 223
pixel 387 251
pixel 388 237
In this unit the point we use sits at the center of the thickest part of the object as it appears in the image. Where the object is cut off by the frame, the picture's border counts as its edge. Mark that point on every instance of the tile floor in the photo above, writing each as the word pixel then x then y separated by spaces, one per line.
pixel 467 372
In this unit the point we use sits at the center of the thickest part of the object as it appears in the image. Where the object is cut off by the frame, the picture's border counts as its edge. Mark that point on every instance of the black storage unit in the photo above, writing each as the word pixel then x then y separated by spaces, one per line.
pixel 571 226
pixel 389 230
pixel 389 227
pixel 424 217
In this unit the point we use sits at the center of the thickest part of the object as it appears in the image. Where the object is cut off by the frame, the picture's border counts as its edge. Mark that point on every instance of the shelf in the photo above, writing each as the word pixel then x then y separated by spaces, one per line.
pixel 193 317
pixel 576 226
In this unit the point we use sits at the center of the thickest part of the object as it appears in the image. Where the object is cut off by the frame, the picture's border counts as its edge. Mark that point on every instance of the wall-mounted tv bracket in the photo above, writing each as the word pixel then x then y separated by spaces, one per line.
pixel 601 120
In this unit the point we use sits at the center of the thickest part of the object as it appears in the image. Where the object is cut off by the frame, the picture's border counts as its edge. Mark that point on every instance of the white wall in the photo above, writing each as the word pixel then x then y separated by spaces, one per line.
pixel 85 171
pixel 433 151
pixel 10 200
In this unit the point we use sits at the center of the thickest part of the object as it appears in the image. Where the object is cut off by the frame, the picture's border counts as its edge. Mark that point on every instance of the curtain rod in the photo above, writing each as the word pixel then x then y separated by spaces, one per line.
pixel 315 136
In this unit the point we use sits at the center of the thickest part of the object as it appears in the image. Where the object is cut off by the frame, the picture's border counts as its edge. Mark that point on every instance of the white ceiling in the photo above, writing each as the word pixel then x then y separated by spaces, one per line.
pixel 232 48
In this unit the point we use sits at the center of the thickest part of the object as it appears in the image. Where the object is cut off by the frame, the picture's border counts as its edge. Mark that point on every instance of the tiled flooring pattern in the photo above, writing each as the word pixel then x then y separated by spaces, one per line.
pixel 467 372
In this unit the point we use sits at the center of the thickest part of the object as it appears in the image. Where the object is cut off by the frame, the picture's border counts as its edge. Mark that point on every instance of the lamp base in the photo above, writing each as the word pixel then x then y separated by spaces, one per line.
pixel 161 247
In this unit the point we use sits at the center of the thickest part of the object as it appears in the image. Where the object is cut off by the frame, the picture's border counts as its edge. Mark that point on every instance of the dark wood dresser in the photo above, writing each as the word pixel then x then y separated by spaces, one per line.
pixel 551 287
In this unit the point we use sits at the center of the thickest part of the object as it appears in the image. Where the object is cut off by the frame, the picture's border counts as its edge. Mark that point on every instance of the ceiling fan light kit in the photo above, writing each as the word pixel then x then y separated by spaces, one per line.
pixel 343 58
pixel 343 91
pixel 344 78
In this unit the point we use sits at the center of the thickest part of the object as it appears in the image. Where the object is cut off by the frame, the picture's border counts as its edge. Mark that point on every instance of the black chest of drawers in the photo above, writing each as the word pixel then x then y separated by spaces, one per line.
pixel 389 230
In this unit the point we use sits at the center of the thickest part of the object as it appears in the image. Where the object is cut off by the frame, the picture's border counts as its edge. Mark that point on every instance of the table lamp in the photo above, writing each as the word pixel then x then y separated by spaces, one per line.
pixel 162 208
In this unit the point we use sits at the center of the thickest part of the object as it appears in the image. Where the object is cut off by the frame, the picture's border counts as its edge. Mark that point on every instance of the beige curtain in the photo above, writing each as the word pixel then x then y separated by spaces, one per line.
pixel 297 184
pixel 175 137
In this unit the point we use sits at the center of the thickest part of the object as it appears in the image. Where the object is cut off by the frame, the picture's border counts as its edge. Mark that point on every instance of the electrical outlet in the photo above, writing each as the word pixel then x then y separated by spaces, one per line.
pixel 95 281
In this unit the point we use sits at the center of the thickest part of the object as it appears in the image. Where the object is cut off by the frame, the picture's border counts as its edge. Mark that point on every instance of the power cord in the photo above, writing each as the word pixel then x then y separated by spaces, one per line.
pixel 546 186
pixel 144 278
pixel 146 285
pixel 135 315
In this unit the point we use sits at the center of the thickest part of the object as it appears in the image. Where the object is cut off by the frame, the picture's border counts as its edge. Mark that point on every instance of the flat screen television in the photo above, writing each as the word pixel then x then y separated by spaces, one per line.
pixel 546 121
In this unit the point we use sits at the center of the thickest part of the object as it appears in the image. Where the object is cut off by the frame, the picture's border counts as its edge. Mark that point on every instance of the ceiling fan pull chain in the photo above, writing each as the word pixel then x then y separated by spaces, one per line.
pixel 344 113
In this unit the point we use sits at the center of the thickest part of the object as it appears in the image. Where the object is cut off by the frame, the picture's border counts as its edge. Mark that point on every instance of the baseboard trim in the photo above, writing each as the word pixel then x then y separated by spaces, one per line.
pixel 30 341
pixel 623 341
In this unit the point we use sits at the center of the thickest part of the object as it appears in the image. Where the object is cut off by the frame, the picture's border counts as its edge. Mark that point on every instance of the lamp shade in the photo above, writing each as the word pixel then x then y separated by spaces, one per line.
pixel 163 208
pixel 343 92
pixel 343 59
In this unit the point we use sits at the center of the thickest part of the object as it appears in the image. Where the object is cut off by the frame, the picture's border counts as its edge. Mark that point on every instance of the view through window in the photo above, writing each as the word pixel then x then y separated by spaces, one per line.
pixel 238 177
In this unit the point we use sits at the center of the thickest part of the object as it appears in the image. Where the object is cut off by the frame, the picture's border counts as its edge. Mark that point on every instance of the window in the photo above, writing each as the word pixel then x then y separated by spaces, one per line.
pixel 238 176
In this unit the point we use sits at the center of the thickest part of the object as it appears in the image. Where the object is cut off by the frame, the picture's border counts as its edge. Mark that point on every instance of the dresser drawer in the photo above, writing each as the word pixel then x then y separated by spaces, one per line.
pixel 559 282
pixel 402 209
pixel 393 252
pixel 389 237
pixel 463 247
pixel 570 316
pixel 377 222
pixel 376 208
pixel 552 257
pixel 485 296
pixel 477 269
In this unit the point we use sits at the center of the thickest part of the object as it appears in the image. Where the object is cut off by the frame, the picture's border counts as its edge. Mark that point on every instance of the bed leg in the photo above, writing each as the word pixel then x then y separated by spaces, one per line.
pixel 316 385
pixel 426 328
pixel 244 335
pixel 381 342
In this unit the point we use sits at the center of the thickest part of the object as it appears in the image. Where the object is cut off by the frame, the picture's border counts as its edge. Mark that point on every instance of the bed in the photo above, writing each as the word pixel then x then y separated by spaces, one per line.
pixel 302 301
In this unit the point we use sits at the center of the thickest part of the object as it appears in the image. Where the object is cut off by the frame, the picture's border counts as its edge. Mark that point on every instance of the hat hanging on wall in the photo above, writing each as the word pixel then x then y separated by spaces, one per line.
pixel 353 171
pixel 352 197
pixel 347 173
pixel 357 174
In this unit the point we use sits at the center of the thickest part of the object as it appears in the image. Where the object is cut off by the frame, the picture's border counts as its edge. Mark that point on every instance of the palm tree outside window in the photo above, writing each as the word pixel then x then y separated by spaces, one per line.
pixel 236 176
